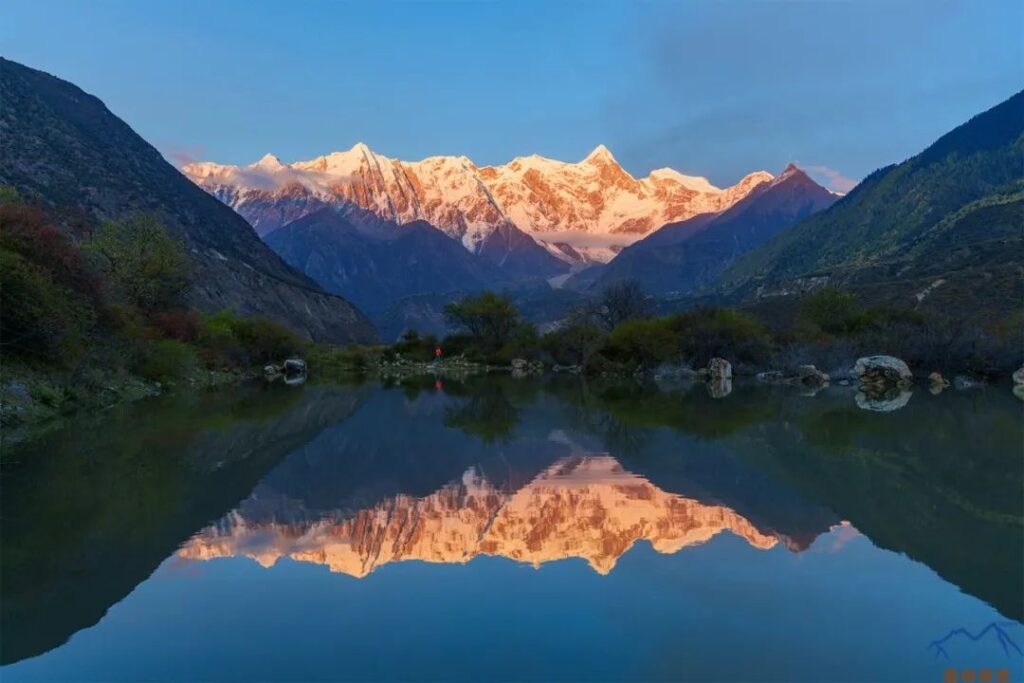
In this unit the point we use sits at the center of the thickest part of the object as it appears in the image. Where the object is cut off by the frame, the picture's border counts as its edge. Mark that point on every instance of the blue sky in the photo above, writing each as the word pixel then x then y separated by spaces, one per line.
pixel 715 89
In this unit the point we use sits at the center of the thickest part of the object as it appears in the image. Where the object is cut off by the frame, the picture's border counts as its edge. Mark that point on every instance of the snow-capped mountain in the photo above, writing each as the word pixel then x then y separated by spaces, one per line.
pixel 583 211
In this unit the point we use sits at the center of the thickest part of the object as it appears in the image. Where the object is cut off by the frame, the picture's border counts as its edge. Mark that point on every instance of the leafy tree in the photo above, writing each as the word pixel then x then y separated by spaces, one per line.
pixel 146 265
pixel 489 318
pixel 576 342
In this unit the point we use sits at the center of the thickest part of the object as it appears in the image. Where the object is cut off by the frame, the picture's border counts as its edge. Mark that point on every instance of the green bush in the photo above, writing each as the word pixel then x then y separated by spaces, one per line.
pixel 575 343
pixel 735 335
pixel 836 312
pixel 167 360
pixel 229 338
pixel 523 342
pixel 645 342
pixel 146 265
pixel 266 340
pixel 40 317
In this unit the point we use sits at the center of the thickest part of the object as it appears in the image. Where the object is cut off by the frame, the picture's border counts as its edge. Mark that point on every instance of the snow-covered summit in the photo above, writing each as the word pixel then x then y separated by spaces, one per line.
pixel 552 200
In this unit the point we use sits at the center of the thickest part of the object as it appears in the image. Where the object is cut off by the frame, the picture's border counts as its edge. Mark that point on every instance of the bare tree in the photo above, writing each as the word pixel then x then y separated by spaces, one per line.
pixel 622 301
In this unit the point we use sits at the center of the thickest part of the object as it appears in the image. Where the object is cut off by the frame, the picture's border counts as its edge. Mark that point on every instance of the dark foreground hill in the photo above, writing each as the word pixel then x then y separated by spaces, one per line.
pixel 62 148
pixel 942 230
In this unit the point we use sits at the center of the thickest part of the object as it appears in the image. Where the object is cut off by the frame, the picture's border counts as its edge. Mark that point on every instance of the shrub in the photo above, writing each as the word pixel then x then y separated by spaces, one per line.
pixel 183 325
pixel 575 343
pixel 836 312
pixel 40 317
pixel 167 360
pixel 708 332
pixel 414 347
pixel 266 340
pixel 523 342
pixel 146 265
pixel 644 342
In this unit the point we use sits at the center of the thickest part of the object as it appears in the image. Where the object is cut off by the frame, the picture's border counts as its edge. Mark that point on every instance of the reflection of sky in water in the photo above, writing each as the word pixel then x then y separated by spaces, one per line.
pixel 723 609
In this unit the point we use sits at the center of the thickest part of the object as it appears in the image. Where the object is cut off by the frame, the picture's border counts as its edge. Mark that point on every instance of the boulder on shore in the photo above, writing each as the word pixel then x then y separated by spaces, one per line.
pixel 808 375
pixel 1018 375
pixel 883 371
pixel 719 368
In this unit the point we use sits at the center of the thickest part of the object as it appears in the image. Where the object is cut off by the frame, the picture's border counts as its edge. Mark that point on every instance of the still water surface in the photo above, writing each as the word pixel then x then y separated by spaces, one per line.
pixel 517 530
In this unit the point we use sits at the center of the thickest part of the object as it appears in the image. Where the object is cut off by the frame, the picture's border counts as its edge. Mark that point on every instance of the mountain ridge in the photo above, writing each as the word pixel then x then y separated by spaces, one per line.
pixel 681 257
pixel 548 200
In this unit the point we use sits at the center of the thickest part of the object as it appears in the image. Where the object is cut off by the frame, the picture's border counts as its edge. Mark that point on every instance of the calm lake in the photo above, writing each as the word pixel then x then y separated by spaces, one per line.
pixel 518 530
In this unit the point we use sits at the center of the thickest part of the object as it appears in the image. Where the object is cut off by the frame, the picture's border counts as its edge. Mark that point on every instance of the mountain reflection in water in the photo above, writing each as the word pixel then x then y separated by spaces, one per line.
pixel 585 506
pixel 362 479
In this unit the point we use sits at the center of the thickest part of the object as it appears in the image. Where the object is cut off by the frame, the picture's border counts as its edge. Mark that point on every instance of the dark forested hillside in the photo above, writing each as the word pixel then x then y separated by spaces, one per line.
pixel 63 149
pixel 943 222
pixel 374 272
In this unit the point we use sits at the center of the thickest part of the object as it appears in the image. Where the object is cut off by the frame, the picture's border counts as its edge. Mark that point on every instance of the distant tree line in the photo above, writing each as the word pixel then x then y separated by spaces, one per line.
pixel 618 332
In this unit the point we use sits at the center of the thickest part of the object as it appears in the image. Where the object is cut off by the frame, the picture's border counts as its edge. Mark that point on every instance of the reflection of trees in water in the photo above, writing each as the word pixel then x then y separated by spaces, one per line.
pixel 92 509
pixel 486 413
pixel 939 480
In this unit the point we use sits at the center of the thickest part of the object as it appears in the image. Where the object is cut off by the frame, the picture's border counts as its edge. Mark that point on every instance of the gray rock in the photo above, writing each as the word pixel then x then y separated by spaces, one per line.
pixel 719 368
pixel 1018 376
pixel 811 376
pixel 883 371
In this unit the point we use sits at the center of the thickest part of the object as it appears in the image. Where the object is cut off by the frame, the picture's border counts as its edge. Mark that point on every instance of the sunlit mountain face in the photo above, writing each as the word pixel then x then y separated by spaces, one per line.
pixel 580 212
pixel 585 507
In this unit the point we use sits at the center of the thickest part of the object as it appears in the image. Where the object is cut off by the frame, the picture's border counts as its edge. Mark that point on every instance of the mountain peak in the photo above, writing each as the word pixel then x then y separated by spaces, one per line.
pixel 269 162
pixel 790 170
pixel 600 153
pixel 793 173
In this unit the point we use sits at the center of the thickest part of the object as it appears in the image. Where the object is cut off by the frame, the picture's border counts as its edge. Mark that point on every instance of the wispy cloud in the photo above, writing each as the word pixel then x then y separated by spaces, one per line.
pixel 831 178
pixel 181 155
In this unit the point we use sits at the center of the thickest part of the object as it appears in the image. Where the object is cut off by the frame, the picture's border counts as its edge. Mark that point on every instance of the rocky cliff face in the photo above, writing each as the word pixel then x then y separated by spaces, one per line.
pixel 579 212
pixel 585 507
pixel 63 148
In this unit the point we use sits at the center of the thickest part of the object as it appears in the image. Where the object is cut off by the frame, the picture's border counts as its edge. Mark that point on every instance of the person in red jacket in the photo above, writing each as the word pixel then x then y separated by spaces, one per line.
pixel 437 354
